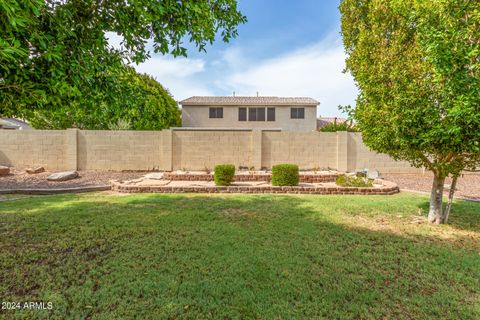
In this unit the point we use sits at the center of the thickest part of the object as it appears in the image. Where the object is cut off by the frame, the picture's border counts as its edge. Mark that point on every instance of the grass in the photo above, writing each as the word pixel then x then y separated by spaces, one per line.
pixel 105 256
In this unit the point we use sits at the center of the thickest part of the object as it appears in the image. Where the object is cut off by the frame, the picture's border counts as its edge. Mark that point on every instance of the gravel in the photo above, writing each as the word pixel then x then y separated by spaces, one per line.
pixel 22 180
pixel 468 186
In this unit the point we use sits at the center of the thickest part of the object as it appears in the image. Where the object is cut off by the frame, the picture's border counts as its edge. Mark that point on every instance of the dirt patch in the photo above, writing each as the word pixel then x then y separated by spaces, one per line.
pixel 22 180
pixel 468 185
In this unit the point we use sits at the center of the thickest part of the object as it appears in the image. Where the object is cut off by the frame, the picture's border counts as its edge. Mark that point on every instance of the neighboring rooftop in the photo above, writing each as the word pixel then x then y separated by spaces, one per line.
pixel 249 101
pixel 324 121
pixel 13 124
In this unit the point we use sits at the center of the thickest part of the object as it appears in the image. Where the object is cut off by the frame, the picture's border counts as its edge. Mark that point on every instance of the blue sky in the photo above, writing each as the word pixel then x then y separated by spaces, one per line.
pixel 287 48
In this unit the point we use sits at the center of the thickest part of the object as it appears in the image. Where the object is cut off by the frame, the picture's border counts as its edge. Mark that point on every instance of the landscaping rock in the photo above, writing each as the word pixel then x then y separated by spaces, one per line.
pixel 154 176
pixel 35 170
pixel 373 174
pixel 4 170
pixel 62 176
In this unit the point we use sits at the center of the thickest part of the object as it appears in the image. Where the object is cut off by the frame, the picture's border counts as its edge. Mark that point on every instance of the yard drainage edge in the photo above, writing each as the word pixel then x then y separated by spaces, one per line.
pixel 389 189
pixel 46 191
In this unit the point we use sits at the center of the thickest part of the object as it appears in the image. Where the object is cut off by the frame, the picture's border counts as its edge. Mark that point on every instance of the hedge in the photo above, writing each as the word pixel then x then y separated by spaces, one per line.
pixel 223 174
pixel 285 175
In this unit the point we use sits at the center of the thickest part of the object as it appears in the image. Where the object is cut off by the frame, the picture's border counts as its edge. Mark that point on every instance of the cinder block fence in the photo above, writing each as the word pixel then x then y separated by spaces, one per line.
pixel 190 149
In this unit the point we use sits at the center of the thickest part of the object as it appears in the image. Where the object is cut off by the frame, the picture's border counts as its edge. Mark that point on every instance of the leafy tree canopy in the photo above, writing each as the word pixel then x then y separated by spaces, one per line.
pixel 54 53
pixel 417 65
pixel 135 101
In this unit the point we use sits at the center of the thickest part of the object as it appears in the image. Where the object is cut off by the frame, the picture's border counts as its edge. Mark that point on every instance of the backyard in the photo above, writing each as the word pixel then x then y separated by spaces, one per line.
pixel 150 256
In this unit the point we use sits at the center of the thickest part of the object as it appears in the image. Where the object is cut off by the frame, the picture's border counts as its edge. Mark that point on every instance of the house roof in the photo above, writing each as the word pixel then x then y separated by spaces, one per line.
pixel 12 123
pixel 249 101
pixel 324 121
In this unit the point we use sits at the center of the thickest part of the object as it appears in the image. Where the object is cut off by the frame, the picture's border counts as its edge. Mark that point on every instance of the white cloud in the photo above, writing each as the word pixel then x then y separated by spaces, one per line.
pixel 180 75
pixel 314 71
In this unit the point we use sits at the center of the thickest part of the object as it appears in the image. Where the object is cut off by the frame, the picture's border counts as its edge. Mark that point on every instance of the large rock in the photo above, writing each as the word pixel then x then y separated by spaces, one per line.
pixel 4 170
pixel 62 176
pixel 35 170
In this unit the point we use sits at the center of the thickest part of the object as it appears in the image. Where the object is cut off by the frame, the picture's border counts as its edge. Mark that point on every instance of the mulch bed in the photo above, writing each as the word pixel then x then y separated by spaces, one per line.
pixel 468 186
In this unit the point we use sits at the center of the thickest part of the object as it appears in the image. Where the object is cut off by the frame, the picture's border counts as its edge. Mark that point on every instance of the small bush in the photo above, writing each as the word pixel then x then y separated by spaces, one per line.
pixel 285 175
pixel 223 174
pixel 358 182
pixel 339 126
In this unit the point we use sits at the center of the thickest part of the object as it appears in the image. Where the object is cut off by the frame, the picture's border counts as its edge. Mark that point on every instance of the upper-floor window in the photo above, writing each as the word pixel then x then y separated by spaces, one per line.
pixel 216 113
pixel 256 114
pixel 270 114
pixel 242 114
pixel 297 113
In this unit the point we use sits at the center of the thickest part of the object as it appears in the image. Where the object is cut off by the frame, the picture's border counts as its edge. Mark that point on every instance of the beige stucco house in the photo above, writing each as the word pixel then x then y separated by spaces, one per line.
pixel 286 114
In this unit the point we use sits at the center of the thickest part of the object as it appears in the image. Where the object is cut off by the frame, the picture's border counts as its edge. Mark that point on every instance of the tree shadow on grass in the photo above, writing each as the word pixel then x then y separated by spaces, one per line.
pixel 190 256
pixel 465 215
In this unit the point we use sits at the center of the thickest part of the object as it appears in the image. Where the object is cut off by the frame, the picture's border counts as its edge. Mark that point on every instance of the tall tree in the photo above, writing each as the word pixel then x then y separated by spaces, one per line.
pixel 417 65
pixel 136 100
pixel 55 52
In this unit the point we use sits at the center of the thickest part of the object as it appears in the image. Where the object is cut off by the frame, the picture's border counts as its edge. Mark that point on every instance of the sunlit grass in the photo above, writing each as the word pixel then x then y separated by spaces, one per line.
pixel 239 256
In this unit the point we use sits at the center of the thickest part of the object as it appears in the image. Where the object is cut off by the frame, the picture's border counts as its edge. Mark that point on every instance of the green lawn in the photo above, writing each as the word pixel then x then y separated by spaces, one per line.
pixel 105 256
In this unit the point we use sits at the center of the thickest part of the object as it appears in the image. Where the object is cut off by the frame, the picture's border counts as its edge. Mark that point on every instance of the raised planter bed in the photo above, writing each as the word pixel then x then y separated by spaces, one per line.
pixel 307 178
pixel 388 188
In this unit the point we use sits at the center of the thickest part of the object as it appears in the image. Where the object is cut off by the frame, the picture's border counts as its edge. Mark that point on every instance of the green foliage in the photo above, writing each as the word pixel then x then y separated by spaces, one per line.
pixel 416 64
pixel 354 181
pixel 138 99
pixel 285 175
pixel 338 257
pixel 55 54
pixel 121 124
pixel 223 174
pixel 343 126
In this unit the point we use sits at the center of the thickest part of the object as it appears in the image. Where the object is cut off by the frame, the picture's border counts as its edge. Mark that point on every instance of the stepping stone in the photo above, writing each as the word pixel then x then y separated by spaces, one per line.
pixel 4 170
pixel 154 176
pixel 62 176
pixel 35 170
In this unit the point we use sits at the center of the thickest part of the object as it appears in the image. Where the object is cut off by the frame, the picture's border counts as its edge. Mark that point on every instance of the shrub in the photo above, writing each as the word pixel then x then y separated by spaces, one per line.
pixel 339 126
pixel 285 175
pixel 354 181
pixel 223 174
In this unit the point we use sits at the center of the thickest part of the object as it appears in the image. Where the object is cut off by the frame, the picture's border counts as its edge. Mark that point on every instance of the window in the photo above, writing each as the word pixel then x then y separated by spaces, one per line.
pixel 256 114
pixel 260 114
pixel 252 114
pixel 270 114
pixel 242 114
pixel 216 113
pixel 297 113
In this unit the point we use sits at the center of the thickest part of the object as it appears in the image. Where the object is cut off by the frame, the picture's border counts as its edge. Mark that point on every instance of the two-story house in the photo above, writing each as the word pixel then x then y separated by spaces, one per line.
pixel 284 113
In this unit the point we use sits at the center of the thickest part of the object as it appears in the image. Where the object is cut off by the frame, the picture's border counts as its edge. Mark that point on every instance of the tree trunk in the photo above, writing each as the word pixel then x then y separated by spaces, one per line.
pixel 450 198
pixel 436 200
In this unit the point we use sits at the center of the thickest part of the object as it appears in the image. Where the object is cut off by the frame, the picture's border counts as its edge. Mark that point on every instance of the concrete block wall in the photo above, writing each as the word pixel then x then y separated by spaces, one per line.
pixel 360 157
pixel 197 150
pixel 191 149
pixel 306 149
pixel 119 150
pixel 27 148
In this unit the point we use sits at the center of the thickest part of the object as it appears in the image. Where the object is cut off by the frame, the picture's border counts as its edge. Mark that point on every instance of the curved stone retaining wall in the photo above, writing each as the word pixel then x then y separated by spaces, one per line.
pixel 389 188
pixel 307 178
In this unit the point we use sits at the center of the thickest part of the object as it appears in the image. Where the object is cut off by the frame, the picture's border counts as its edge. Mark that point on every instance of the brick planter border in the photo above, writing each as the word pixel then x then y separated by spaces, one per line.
pixel 389 188
pixel 307 178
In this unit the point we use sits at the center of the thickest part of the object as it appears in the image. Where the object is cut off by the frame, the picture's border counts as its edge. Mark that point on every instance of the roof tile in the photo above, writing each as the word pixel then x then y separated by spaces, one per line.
pixel 248 101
